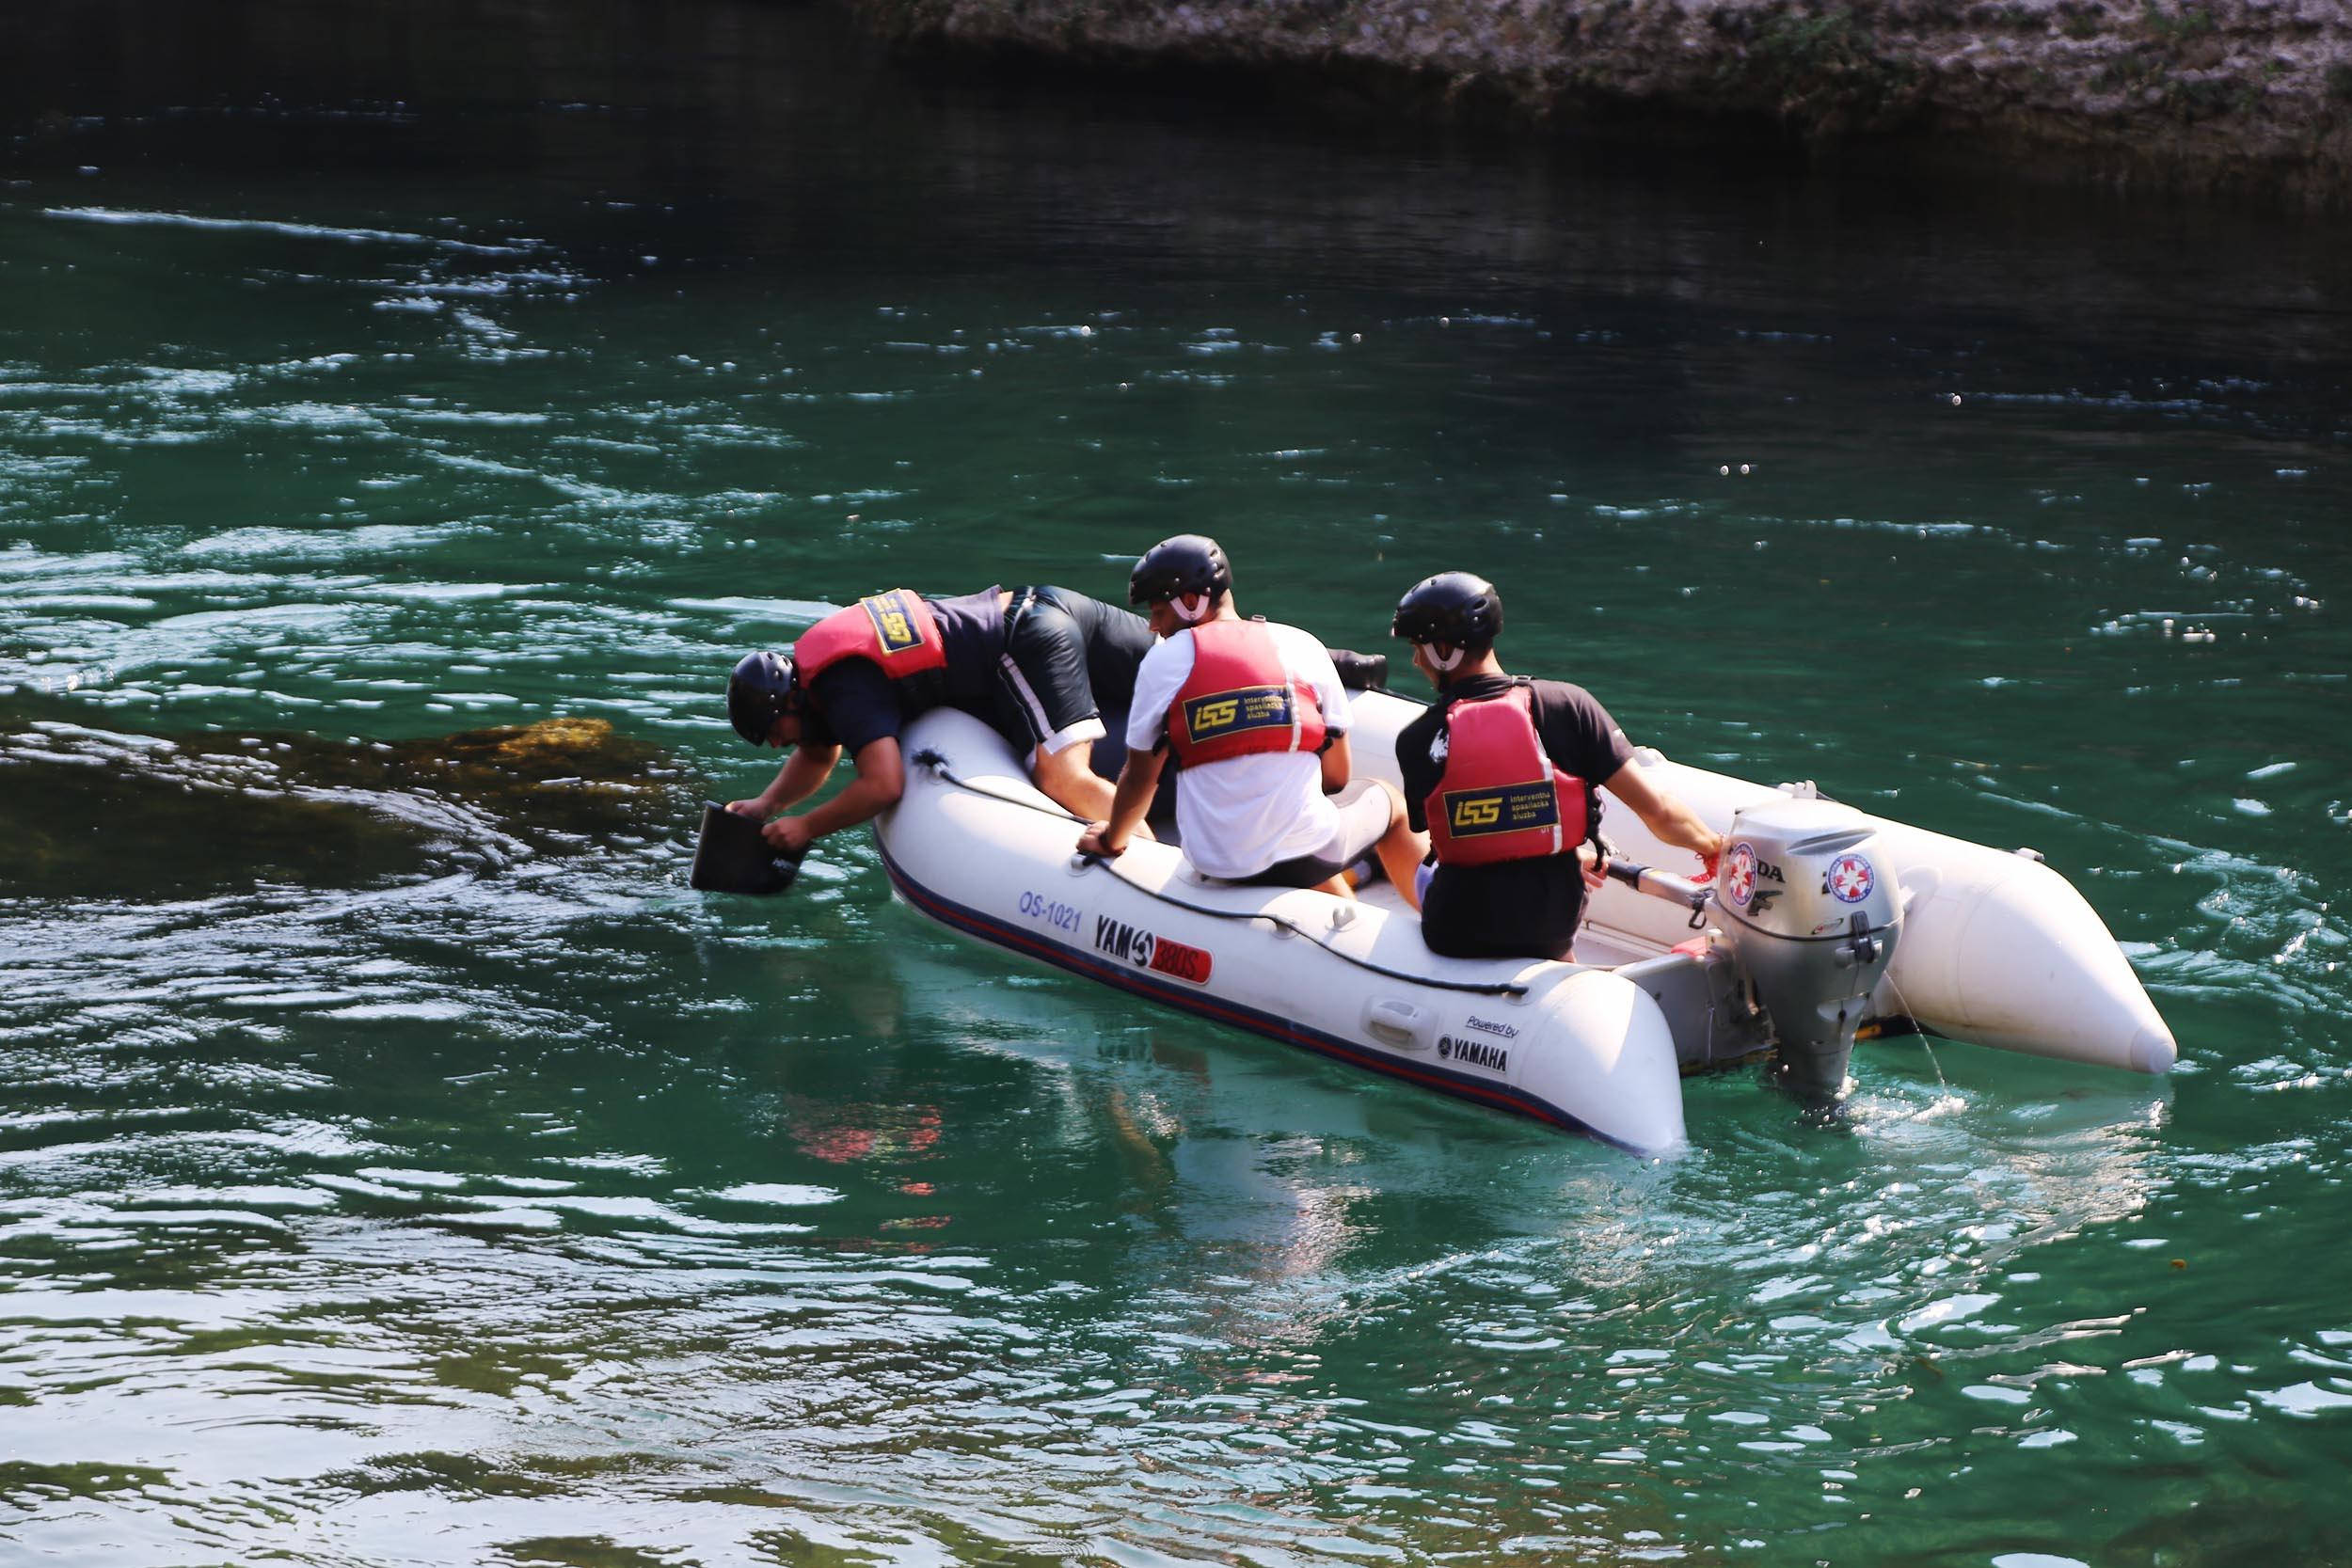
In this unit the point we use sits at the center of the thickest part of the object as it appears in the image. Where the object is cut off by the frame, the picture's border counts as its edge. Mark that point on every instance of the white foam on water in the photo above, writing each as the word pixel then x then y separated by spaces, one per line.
pixel 274 225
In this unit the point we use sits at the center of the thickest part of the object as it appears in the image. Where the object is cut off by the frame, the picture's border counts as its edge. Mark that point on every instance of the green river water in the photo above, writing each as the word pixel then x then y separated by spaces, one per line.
pixel 399 1165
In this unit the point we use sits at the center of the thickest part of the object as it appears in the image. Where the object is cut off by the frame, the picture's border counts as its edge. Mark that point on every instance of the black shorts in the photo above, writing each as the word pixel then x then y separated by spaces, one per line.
pixel 1068 661
pixel 1511 910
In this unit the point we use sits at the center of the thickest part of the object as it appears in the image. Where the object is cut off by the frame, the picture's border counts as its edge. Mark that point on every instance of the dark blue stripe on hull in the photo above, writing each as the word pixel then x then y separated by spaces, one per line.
pixel 1143 983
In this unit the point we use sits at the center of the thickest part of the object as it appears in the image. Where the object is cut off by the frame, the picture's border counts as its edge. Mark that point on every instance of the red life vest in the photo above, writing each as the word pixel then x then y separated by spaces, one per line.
pixel 893 629
pixel 1500 798
pixel 1240 698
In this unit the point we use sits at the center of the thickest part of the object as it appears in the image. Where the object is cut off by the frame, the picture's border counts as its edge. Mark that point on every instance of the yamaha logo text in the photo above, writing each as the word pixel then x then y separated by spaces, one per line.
pixel 1461 1053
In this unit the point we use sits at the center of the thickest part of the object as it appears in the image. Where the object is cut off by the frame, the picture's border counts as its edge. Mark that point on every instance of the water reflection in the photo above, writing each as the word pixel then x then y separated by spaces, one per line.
pixel 398 1165
pixel 1248 1297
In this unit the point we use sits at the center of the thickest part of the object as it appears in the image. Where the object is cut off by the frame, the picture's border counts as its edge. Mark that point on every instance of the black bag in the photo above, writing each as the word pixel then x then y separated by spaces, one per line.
pixel 732 857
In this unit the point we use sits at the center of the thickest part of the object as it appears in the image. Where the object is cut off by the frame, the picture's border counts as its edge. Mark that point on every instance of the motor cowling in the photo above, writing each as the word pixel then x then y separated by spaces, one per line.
pixel 1812 910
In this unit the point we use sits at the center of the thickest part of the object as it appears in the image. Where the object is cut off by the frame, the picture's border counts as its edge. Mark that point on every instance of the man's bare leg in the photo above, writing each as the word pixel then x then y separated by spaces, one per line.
pixel 1400 849
pixel 1067 778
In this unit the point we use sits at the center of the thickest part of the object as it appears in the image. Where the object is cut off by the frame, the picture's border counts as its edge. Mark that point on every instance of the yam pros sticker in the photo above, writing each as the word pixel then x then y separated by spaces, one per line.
pixel 1145 950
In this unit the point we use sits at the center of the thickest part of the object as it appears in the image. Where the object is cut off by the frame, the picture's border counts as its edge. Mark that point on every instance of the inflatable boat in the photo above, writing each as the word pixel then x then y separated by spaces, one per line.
pixel 1828 924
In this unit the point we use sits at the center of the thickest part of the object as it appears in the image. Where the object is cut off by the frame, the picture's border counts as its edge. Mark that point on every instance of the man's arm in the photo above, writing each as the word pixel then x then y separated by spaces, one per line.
pixel 882 778
pixel 1664 815
pixel 803 774
pixel 1307 657
pixel 1137 781
pixel 1417 773
pixel 1338 765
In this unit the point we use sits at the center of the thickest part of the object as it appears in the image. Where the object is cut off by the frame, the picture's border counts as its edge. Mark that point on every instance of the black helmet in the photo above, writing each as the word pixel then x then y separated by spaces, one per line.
pixel 759 693
pixel 1188 563
pixel 1459 609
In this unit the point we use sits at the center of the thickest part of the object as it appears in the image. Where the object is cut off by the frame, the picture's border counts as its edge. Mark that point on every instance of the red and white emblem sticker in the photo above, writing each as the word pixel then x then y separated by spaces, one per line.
pixel 1851 878
pixel 1740 873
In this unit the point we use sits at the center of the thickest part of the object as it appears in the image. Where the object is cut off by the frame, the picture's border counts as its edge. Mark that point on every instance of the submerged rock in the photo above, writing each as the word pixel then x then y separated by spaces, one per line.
pixel 103 811
pixel 2194 91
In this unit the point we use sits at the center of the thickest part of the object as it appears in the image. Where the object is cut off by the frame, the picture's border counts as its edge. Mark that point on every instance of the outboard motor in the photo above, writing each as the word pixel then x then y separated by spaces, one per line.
pixel 1811 911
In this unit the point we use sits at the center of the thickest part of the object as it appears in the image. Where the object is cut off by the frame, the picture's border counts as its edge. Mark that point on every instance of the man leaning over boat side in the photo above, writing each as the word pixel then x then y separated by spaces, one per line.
pixel 1254 716
pixel 1501 772
pixel 1046 666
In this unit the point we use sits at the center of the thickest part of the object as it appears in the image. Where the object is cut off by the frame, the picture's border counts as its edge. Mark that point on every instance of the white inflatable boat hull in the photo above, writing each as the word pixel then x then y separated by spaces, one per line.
pixel 1996 948
pixel 990 857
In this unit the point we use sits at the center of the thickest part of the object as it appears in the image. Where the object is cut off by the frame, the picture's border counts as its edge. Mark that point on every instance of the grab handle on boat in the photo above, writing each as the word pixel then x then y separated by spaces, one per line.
pixel 1397 1023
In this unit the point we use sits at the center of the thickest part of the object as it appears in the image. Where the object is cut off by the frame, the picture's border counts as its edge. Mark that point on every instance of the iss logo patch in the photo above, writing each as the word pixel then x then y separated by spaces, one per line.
pixel 894 621
pixel 1472 812
pixel 1248 708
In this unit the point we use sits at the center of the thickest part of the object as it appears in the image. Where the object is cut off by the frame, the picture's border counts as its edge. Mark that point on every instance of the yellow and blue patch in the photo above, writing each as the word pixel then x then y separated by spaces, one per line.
pixel 1511 809
pixel 1235 712
pixel 894 621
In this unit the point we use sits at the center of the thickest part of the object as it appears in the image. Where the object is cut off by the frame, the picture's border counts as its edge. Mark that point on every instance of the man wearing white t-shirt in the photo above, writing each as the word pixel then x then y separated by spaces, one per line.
pixel 1255 715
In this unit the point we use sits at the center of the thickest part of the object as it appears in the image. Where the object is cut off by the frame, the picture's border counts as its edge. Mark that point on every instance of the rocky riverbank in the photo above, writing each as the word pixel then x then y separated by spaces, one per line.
pixel 2177 93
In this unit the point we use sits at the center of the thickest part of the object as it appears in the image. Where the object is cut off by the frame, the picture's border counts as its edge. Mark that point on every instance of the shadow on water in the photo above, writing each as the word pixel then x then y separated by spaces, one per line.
pixel 146 816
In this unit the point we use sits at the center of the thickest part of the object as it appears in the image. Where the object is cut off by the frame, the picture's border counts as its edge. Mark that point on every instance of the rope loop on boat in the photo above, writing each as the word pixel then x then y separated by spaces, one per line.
pixel 938 765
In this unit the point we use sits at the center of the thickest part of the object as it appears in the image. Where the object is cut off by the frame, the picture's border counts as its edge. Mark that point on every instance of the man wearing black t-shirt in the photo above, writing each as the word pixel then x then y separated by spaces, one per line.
pixel 1049 668
pixel 1509 881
